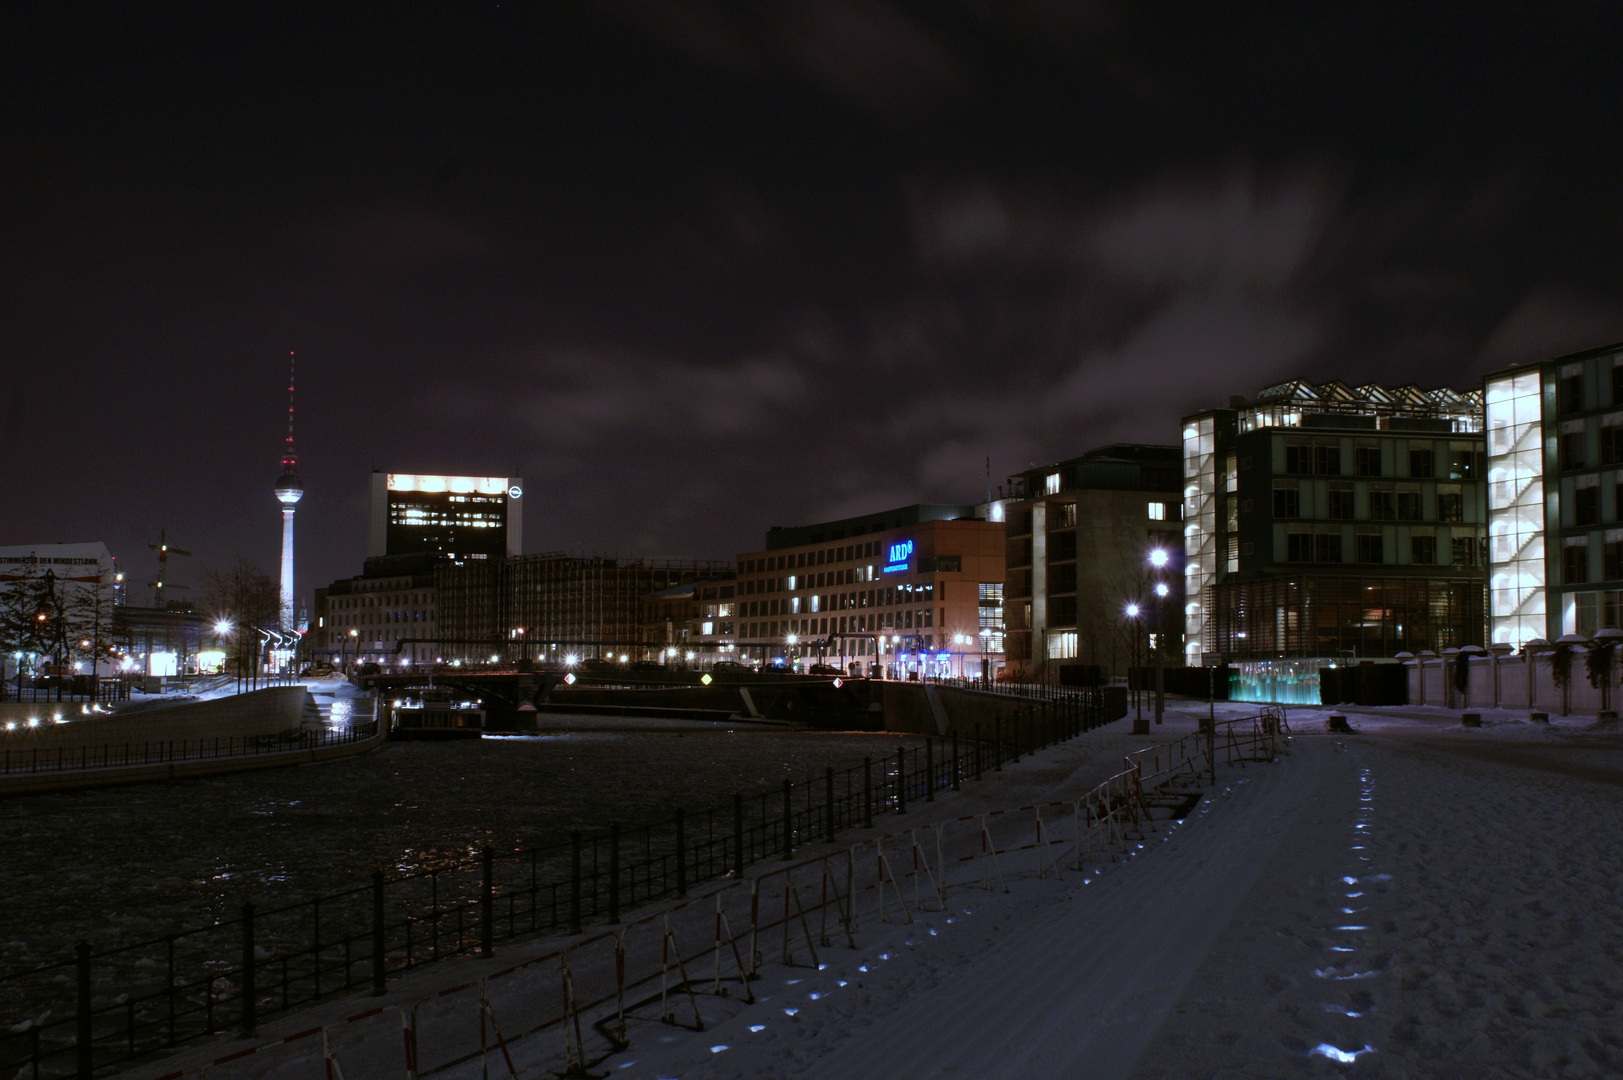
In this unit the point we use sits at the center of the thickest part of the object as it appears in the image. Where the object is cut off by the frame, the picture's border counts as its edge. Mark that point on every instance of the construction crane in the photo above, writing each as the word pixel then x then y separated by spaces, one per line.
pixel 164 550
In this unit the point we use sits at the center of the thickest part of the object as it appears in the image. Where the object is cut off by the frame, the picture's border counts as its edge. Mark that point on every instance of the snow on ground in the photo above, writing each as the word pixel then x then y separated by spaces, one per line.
pixel 1386 903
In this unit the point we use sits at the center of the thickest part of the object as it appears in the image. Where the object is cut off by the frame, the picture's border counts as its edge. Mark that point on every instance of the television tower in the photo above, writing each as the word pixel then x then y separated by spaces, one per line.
pixel 288 492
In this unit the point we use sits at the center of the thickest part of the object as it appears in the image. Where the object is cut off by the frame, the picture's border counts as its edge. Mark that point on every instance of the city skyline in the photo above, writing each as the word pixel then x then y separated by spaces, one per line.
pixel 695 274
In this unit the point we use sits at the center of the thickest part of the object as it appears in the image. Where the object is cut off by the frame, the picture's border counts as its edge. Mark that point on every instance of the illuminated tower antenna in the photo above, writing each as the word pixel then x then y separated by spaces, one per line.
pixel 288 492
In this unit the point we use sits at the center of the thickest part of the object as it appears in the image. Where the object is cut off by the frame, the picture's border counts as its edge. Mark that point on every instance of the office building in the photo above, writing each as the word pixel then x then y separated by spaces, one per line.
pixel 452 517
pixel 544 607
pixel 1081 586
pixel 1327 523
pixel 388 615
pixel 906 592
pixel 1555 496
pixel 692 624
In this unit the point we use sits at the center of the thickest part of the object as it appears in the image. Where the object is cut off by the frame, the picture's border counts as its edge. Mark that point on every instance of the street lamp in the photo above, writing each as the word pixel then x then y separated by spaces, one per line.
pixel 1139 727
pixel 790 651
pixel 1158 560
pixel 354 637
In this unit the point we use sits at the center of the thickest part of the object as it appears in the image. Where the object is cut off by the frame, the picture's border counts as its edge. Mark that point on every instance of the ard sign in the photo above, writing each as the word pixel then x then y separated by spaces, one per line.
pixel 899 554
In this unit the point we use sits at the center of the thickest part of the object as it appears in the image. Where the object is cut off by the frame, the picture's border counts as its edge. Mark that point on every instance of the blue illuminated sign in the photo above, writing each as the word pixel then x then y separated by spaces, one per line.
pixel 900 552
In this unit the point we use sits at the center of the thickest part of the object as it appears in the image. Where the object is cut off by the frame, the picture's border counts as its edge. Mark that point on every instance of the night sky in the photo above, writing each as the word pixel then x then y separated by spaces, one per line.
pixel 696 269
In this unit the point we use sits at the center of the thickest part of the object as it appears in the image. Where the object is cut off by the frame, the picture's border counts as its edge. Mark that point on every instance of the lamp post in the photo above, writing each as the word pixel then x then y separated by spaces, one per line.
pixel 1158 560
pixel 354 638
pixel 222 630
pixel 789 651
pixel 1139 726
pixel 986 662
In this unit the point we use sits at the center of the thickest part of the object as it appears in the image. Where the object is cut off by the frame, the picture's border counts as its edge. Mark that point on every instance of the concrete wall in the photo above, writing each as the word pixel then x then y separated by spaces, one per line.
pixel 1507 683
pixel 260 712
pixel 854 706
pixel 25 783
pixel 927 709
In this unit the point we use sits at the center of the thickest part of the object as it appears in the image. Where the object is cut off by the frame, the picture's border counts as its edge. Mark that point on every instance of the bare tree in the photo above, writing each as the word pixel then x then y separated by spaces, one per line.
pixel 249 600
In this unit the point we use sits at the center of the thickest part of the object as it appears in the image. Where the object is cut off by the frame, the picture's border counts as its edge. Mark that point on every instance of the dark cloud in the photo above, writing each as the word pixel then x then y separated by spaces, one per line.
pixel 695 269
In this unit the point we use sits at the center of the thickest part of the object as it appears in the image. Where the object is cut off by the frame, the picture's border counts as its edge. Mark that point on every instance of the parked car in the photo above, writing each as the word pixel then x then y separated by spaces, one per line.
pixel 824 669
pixel 317 671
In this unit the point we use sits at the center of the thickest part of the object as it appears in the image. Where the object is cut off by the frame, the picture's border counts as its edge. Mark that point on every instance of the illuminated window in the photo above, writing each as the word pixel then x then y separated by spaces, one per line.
pixel 1051 484
pixel 1157 511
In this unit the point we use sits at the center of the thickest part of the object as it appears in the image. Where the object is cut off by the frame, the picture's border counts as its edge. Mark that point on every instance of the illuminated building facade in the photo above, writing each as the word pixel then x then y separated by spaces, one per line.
pixel 1080 536
pixel 451 517
pixel 1555 496
pixel 908 590
pixel 1325 523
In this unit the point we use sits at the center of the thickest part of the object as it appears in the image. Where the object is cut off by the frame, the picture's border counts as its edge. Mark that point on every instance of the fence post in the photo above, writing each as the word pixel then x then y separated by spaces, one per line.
pixel 828 804
pixel 681 854
pixel 738 836
pixel 955 760
pixel 867 793
pixel 614 873
pixel 249 994
pixel 487 905
pixel 901 779
pixel 929 770
pixel 574 881
pixel 997 745
pixel 788 823
pixel 380 945
pixel 83 1031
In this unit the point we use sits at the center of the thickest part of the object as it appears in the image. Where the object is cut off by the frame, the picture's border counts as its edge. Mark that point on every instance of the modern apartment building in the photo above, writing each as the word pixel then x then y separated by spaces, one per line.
pixel 1329 522
pixel 911 591
pixel 1079 584
pixel 1555 496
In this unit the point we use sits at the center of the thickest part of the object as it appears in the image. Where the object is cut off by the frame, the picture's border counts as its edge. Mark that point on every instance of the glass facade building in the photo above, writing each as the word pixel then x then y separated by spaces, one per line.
pixel 1335 522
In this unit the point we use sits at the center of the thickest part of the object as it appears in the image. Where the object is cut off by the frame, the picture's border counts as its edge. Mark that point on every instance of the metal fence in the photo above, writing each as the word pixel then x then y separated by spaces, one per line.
pixel 31 760
pixel 95 1009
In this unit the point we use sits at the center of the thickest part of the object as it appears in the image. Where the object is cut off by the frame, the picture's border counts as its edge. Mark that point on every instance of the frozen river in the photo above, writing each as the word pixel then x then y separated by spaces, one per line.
pixel 130 863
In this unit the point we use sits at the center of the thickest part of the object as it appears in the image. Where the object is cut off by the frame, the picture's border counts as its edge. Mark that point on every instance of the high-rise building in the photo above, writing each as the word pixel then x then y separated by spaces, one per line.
pixel 1081 585
pixel 451 517
pixel 1326 523
pixel 288 492
pixel 1555 496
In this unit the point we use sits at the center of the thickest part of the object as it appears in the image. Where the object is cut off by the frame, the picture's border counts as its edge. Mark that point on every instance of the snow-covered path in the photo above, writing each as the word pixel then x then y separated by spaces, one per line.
pixel 1068 981
pixel 1363 908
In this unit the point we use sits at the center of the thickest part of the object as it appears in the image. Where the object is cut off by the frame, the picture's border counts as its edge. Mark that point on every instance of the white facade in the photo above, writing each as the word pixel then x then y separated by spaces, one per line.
pixel 1517 596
